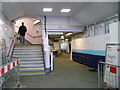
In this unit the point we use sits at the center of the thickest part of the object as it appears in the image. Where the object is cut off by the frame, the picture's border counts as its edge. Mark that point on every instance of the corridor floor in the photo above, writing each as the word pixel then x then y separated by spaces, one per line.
pixel 67 74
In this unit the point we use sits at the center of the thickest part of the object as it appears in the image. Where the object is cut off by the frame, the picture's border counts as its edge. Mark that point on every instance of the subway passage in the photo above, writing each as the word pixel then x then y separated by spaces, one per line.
pixel 76 38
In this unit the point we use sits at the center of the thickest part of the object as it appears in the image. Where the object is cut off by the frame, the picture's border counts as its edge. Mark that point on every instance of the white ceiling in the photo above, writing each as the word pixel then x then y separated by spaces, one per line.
pixel 96 11
pixel 60 0
pixel 84 12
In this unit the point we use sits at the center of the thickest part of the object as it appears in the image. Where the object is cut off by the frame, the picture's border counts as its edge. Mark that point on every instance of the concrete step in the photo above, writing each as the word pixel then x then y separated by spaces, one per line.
pixel 31 69
pixel 27 53
pixel 28 56
pixel 31 62
pixel 32 73
pixel 31 59
pixel 32 66
pixel 27 50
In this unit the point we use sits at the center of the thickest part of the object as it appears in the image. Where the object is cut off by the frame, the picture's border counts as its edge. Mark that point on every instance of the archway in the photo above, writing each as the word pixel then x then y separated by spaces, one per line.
pixel 34 29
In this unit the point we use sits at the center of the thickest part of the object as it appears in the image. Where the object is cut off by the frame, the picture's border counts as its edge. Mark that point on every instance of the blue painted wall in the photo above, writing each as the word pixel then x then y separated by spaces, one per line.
pixel 92 52
pixel 88 57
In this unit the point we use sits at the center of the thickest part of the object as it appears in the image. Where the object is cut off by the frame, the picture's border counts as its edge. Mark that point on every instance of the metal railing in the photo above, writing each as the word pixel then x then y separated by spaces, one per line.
pixel 108 75
pixel 9 77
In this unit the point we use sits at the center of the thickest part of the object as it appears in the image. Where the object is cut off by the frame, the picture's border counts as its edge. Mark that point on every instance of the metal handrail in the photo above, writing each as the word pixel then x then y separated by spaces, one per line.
pixel 10 61
pixel 43 51
pixel 7 69
pixel 108 64
pixel 30 34
pixel 103 73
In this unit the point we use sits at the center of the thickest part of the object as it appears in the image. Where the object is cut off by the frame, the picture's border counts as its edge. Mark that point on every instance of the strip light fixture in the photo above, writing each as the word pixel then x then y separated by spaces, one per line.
pixel 37 21
pixel 65 10
pixel 55 33
pixel 68 34
pixel 1 22
pixel 47 9
pixel 62 37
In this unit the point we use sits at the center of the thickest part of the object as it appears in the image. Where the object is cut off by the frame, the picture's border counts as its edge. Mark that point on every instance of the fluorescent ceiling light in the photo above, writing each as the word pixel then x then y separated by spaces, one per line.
pixel 1 22
pixel 55 33
pixel 68 34
pixel 66 39
pixel 65 10
pixel 37 21
pixel 34 19
pixel 47 9
pixel 62 37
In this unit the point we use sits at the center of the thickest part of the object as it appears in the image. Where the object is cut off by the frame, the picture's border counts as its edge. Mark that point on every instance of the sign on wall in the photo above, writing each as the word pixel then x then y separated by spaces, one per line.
pixel 112 71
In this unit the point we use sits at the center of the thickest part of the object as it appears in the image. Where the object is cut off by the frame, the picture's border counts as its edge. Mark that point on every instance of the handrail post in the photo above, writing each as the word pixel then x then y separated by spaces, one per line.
pixel 98 76
pixel 47 60
pixel 52 61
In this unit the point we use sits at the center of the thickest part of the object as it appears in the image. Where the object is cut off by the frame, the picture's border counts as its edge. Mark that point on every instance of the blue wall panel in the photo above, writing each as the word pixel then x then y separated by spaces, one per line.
pixel 87 59
pixel 93 52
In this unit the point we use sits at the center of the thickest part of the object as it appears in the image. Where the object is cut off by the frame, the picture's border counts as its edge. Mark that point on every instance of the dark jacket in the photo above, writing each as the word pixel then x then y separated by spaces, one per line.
pixel 22 30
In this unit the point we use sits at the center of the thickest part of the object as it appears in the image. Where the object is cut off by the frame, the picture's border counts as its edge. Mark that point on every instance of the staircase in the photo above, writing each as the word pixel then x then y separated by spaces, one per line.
pixel 31 59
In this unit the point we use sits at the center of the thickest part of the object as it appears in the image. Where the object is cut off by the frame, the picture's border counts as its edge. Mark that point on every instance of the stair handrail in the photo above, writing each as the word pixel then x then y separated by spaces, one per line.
pixel 12 44
pixel 33 36
pixel 43 51
pixel 42 46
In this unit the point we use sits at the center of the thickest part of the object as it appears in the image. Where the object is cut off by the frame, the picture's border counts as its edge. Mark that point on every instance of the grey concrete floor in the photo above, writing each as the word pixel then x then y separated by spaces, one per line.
pixel 67 74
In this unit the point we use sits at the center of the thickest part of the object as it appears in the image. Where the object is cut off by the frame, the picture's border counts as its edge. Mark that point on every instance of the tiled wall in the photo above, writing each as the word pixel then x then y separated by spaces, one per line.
pixel 7 31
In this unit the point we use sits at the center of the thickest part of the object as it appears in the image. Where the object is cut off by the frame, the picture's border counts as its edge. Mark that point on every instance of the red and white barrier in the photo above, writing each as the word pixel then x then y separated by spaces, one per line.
pixel 8 67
